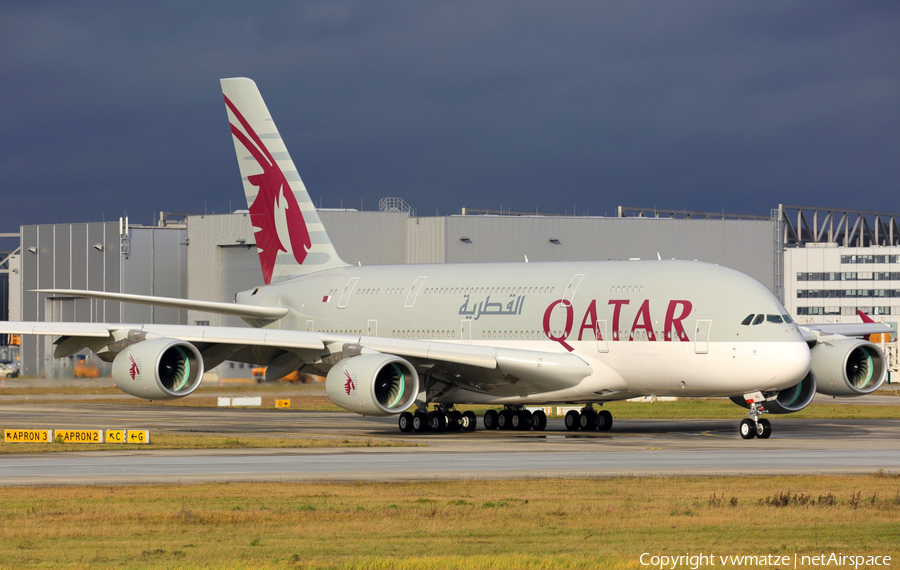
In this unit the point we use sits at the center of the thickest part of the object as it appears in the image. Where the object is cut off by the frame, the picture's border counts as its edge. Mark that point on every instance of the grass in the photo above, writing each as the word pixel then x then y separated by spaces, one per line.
pixel 169 441
pixel 577 523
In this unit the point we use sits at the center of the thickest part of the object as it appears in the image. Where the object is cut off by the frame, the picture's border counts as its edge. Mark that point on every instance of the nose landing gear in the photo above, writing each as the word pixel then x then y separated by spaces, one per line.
pixel 754 426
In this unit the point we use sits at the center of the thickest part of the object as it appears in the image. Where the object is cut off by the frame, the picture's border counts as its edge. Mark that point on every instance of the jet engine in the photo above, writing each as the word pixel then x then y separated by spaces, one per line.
pixel 848 367
pixel 158 369
pixel 373 384
pixel 789 400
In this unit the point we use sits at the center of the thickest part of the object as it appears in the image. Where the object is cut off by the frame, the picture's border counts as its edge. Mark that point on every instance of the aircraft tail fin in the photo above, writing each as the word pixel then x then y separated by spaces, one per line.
pixel 290 237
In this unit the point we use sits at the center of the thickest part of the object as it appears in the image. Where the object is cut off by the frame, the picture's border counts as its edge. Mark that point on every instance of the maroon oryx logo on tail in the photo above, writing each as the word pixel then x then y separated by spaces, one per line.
pixel 274 212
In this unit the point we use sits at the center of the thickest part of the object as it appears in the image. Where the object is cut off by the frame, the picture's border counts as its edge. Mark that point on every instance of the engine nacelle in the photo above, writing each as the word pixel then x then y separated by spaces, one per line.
pixel 373 384
pixel 848 367
pixel 158 369
pixel 789 400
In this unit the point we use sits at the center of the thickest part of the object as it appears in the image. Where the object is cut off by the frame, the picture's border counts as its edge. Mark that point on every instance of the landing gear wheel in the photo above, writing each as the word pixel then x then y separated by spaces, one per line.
pixel 521 420
pixel 539 421
pixel 420 422
pixel 406 422
pixel 604 420
pixel 587 421
pixel 491 419
pixel 763 429
pixel 454 421
pixel 437 421
pixel 469 421
pixel 747 429
pixel 504 420
pixel 572 420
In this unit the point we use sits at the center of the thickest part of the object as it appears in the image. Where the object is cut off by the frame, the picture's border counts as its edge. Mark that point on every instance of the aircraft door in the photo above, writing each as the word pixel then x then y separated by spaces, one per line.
pixel 310 326
pixel 414 291
pixel 465 330
pixel 701 336
pixel 345 294
pixel 600 333
pixel 372 328
pixel 572 287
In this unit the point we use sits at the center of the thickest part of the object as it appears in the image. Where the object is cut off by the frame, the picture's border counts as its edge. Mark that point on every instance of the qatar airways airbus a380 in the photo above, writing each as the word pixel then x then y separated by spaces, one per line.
pixel 418 340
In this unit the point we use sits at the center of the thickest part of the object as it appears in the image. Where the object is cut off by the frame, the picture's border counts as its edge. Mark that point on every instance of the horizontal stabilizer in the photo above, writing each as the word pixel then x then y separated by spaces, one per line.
pixel 243 311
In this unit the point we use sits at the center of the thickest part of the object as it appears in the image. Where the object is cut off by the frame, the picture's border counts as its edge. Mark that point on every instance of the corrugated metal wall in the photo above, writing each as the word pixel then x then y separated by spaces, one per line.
pixel 89 256
pixel 745 245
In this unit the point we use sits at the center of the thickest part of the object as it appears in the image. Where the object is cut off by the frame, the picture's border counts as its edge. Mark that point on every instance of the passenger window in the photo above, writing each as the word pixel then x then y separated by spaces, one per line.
pixel 787 319
pixel 774 319
pixel 748 320
pixel 759 319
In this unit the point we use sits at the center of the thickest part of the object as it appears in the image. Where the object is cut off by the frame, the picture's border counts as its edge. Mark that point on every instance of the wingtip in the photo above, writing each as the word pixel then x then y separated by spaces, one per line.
pixel 865 318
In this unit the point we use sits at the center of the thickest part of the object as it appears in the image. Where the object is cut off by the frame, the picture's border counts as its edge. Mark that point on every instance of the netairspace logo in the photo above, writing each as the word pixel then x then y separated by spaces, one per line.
pixel 696 561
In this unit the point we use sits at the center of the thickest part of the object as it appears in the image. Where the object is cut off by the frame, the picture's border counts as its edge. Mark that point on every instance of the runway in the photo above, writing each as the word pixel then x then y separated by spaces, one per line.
pixel 634 447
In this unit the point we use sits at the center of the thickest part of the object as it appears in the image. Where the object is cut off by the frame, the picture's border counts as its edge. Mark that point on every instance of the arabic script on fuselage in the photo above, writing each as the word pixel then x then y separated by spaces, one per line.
pixel 493 308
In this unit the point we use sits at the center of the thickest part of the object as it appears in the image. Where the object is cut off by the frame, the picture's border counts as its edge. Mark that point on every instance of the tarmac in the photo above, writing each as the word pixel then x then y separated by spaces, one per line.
pixel 632 448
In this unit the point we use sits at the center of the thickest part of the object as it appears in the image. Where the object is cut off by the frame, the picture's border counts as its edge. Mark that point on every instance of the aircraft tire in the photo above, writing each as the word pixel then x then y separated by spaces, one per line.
pixel 454 421
pixel 504 420
pixel 491 419
pixel 572 420
pixel 764 429
pixel 587 421
pixel 470 421
pixel 539 421
pixel 747 429
pixel 420 422
pixel 437 422
pixel 524 420
pixel 406 422
pixel 604 420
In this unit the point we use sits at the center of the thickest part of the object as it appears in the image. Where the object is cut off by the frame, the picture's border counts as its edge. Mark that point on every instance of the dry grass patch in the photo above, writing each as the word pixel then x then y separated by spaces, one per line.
pixel 169 441
pixel 605 523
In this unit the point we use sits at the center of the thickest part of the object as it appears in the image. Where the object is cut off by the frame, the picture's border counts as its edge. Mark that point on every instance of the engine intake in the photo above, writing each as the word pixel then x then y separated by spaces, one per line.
pixel 789 400
pixel 373 384
pixel 158 369
pixel 848 367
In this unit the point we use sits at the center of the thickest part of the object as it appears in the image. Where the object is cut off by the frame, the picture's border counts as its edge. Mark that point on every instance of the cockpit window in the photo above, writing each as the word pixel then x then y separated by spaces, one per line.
pixel 759 319
pixel 748 320
pixel 774 319
pixel 787 318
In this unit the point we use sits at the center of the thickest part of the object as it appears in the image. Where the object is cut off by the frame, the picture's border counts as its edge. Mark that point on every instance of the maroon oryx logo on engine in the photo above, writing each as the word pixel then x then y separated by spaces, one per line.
pixel 349 385
pixel 135 370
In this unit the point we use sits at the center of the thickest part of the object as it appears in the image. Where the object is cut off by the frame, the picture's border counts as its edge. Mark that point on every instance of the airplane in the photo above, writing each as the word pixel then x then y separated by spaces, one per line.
pixel 417 341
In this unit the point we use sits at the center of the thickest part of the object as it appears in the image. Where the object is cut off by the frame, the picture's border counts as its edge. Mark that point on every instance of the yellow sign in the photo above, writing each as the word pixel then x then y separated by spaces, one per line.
pixel 79 435
pixel 138 436
pixel 282 403
pixel 115 436
pixel 28 435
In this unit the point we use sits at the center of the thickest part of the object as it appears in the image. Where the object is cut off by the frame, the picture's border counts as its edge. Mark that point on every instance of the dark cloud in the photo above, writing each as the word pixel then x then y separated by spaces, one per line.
pixel 115 107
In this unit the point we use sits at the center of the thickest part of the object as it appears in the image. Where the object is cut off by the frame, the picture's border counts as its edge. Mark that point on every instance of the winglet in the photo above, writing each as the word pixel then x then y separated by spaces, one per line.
pixel 865 318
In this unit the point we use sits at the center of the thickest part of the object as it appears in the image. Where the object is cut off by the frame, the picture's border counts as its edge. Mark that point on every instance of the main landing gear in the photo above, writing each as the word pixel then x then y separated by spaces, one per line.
pixel 515 418
pixel 441 419
pixel 589 419
pixel 754 426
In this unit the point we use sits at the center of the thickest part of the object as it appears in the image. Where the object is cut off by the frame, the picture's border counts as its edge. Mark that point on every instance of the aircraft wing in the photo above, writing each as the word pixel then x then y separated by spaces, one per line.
pixel 491 370
pixel 849 329
pixel 249 313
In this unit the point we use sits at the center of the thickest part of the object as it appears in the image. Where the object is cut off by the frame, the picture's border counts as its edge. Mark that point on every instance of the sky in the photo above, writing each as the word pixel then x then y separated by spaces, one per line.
pixel 114 108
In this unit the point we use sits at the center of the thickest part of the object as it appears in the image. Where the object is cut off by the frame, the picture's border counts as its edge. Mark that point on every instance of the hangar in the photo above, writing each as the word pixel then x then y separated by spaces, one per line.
pixel 824 264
